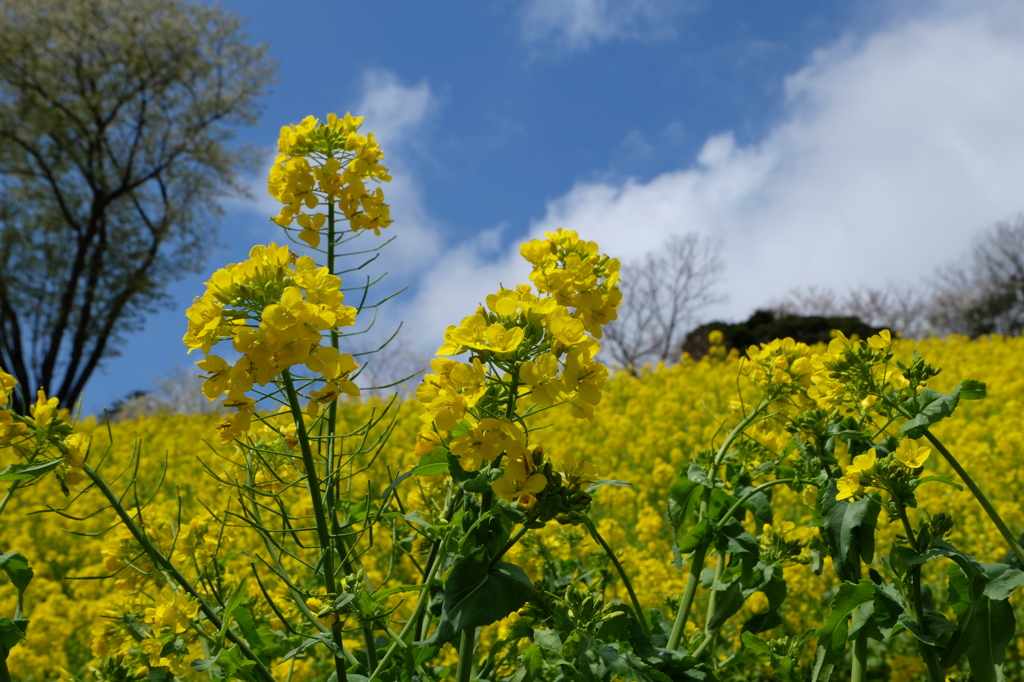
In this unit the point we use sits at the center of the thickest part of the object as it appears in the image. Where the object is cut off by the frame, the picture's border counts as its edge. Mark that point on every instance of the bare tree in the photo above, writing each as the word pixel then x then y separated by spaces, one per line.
pixel 661 296
pixel 116 118
pixel 809 300
pixel 985 294
pixel 180 391
pixel 899 307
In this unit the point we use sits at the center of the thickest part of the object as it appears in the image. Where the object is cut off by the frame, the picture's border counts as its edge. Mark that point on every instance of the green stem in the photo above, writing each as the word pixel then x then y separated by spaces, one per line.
pixel 683 615
pixel 733 435
pixel 750 493
pixel 979 495
pixel 414 619
pixel 164 564
pixel 928 653
pixel 467 647
pixel 322 528
pixel 622 574
pixel 697 565
pixel 859 665
pixel 710 634
pixel 512 542
pixel 7 497
pixel 1000 525
pixel 5 676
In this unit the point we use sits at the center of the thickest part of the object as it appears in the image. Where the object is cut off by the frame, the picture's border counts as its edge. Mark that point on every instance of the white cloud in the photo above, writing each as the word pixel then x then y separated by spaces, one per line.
pixel 396 113
pixel 393 111
pixel 577 24
pixel 894 149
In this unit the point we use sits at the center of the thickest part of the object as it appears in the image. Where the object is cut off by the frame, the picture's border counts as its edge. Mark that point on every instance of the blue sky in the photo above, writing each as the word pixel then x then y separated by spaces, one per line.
pixel 829 143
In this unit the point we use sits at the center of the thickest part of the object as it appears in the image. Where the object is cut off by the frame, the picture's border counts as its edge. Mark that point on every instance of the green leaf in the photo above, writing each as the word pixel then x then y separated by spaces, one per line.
pixel 201 664
pixel 963 606
pixel 697 474
pixel 234 663
pixel 476 594
pixel 832 635
pixel 248 627
pixel 930 407
pixel 941 479
pixel 759 504
pixel 322 638
pixel 758 646
pixel 971 389
pixel 628 666
pixel 434 463
pixel 849 531
pixel 381 595
pixel 609 481
pixel 959 589
pixel 935 627
pixel 990 631
pixel 730 600
pixel 1001 580
pixel 695 537
pixel 20 472
pixel 10 634
pixel 15 565
pixel 683 502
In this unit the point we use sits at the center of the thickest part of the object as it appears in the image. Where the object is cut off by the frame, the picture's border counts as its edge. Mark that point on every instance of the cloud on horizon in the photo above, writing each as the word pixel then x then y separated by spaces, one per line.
pixel 894 148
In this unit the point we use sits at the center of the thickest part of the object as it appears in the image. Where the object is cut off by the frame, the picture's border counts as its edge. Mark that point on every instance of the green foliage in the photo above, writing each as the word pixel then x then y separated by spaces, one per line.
pixel 764 326
pixel 115 123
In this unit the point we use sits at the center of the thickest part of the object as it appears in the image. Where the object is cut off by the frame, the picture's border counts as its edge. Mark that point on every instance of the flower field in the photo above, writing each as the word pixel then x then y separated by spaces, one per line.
pixel 791 513
pixel 645 431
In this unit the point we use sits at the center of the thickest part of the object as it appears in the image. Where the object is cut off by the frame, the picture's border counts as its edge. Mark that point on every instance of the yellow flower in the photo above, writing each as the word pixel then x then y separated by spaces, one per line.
pixel 849 485
pixel 542 377
pixel 864 464
pixel 172 610
pixel 519 483
pixel 910 454
pixel 316 606
pixel 882 341
pixel 44 409
pixel 577 472
pixel 77 445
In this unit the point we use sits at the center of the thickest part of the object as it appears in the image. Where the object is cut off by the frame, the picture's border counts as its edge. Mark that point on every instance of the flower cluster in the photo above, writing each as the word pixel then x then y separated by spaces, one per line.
pixel 11 431
pixel 327 166
pixel 868 468
pixel 529 350
pixel 45 434
pixel 577 275
pixel 851 373
pixel 782 368
pixel 274 309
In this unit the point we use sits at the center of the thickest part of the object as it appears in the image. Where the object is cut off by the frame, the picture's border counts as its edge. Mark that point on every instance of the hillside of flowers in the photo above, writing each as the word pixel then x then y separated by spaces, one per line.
pixel 792 513
pixel 645 431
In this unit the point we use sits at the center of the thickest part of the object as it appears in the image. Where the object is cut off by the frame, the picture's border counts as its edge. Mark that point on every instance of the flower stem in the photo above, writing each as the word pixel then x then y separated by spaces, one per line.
pixel 467 647
pixel 414 619
pixel 931 660
pixel 683 615
pixel 979 495
pixel 160 560
pixel 710 634
pixel 622 573
pixel 322 529
pixel 7 498
pixel 859 664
